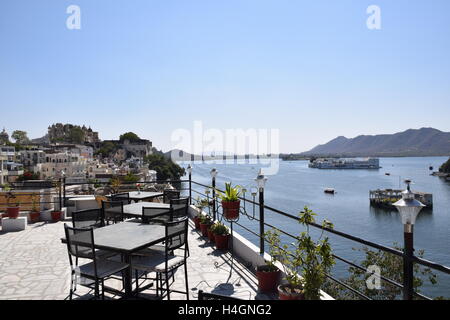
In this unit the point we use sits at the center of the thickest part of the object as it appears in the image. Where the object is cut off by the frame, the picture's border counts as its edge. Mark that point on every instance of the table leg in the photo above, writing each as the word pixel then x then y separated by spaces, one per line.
pixel 128 276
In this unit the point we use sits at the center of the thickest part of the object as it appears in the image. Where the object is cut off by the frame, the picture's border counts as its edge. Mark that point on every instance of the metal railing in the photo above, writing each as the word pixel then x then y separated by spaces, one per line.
pixel 262 225
pixel 61 189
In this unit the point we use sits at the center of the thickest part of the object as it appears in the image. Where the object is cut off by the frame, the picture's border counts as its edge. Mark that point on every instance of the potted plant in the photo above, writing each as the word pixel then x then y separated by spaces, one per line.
pixel 210 232
pixel 268 275
pixel 197 221
pixel 307 264
pixel 13 206
pixel 230 201
pixel 35 212
pixel 205 223
pixel 200 204
pixel 221 236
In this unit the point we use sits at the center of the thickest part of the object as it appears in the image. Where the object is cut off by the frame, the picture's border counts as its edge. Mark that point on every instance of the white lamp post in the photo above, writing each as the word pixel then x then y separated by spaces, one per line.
pixel 261 180
pixel 409 208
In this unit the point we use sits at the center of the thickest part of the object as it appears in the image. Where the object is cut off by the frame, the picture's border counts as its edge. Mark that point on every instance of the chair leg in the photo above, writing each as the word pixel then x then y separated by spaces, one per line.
pixel 103 289
pixel 186 279
pixel 167 285
pixel 96 290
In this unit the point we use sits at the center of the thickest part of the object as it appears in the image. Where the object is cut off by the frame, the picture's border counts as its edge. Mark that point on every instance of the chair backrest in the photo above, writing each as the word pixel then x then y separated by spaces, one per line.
pixel 80 242
pixel 179 207
pixel 124 197
pixel 151 214
pixel 176 235
pixel 213 296
pixel 169 194
pixel 88 218
pixel 112 210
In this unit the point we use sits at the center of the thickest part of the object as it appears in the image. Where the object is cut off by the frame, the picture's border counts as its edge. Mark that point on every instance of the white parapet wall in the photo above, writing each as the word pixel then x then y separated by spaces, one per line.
pixel 248 252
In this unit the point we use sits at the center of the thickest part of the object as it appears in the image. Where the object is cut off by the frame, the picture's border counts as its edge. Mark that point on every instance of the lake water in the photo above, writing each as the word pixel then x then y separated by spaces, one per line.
pixel 295 186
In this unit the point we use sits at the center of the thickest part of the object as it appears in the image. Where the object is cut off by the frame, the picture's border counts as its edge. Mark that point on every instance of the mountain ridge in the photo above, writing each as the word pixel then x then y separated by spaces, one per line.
pixel 412 142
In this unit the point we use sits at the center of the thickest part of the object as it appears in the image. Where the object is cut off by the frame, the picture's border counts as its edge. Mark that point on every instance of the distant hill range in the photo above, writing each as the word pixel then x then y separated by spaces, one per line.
pixel 412 142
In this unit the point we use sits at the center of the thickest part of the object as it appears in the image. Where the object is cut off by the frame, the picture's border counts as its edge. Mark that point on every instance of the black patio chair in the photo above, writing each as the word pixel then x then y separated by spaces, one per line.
pixel 88 218
pixel 166 262
pixel 213 296
pixel 179 207
pixel 153 215
pixel 124 197
pixel 94 273
pixel 112 211
pixel 169 194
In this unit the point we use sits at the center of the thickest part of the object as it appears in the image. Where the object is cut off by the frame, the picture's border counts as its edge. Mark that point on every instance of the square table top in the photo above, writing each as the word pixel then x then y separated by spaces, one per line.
pixel 127 237
pixel 143 195
pixel 135 209
pixel 135 195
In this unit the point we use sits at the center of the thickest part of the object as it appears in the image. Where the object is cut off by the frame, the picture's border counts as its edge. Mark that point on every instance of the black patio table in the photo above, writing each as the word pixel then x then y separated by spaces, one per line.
pixel 126 238
pixel 143 195
pixel 134 210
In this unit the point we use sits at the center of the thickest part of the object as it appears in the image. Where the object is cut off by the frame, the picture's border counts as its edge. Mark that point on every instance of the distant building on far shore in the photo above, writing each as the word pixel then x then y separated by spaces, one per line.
pixel 330 163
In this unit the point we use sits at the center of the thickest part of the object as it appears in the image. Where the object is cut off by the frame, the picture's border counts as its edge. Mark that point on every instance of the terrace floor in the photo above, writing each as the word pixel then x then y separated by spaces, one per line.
pixel 34 265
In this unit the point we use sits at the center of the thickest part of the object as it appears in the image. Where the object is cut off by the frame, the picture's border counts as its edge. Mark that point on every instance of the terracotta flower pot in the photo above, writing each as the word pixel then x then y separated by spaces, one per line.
pixel 221 241
pixel 268 280
pixel 13 212
pixel 197 223
pixel 204 229
pixel 231 209
pixel 285 292
pixel 34 216
pixel 56 215
pixel 210 235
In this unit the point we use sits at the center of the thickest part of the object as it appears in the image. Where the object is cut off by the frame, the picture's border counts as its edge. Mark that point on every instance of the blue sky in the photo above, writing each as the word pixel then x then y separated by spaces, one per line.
pixel 309 68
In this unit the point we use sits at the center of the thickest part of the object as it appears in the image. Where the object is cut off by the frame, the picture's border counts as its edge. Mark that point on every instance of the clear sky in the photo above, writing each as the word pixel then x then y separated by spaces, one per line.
pixel 311 69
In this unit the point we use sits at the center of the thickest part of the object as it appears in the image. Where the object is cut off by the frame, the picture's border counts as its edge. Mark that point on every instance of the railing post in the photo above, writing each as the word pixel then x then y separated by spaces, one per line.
pixel 408 268
pixel 261 221
pixel 214 197
pixel 190 188
pixel 261 181
pixel 64 191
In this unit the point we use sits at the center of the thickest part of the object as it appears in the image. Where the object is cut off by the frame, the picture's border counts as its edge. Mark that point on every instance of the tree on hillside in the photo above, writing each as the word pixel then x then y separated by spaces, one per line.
pixel 20 137
pixel 130 136
pixel 391 267
pixel 76 135
pixel 106 149
pixel 165 168
pixel 445 168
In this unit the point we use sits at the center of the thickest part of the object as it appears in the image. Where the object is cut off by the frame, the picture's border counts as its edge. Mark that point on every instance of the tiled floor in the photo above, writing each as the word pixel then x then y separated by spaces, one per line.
pixel 34 265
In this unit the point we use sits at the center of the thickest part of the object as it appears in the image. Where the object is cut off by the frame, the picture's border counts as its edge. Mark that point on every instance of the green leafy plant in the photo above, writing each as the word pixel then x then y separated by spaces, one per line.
pixel 220 229
pixel 305 262
pixel 205 219
pixel 35 203
pixel 231 194
pixel 202 203
pixel 273 238
pixel 115 184
pixel 9 196
pixel 391 267
pixel 316 256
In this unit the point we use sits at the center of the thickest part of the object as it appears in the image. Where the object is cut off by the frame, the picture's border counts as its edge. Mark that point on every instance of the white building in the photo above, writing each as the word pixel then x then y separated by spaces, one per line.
pixel 73 165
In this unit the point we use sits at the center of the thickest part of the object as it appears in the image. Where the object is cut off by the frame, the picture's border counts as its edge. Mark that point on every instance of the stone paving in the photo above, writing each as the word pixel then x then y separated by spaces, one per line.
pixel 34 265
